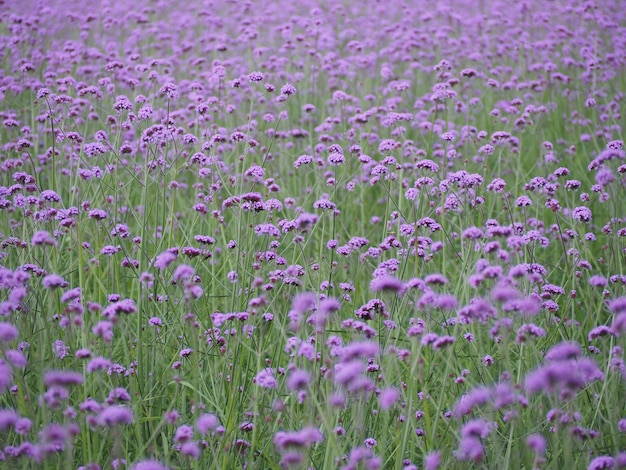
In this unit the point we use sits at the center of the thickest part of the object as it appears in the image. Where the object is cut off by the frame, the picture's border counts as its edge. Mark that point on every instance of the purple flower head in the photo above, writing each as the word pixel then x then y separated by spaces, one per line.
pixel 53 281
pixel 432 461
pixel 183 433
pixel 206 423
pixel 183 272
pixel 170 90
pixel 618 327
pixel 537 443
pixel 564 351
pixel 356 350
pixel 8 332
pixel 8 419
pixel 565 376
pixel 348 372
pixel 582 214
pixel 16 358
pixel 388 397
pixel 114 415
pixel 149 465
pixel 475 398
pixel 62 378
pixel 387 283
pixel 266 379
pixel 288 89
pixel 470 448
pixel 306 437
pixel 191 449
pixel 43 238
pixel 298 379
pixel 599 463
pixel 164 259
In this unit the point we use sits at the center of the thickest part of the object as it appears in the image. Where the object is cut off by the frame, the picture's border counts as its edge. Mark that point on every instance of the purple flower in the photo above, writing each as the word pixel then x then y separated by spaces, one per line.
pixel 470 448
pixel 8 419
pixel 183 272
pixel 149 465
pixel 6 377
pixel 170 90
pixel 564 351
pixel 8 332
pixel 62 378
pixel 387 283
pixel 435 279
pixel 582 214
pixel 206 423
pixel 52 281
pixel 164 259
pixel 601 462
pixel 266 379
pixel 347 372
pixel 98 363
pixel 190 449
pixel 565 376
pixel 288 89
pixel 183 433
pixel 432 460
pixel 618 327
pixel 306 437
pixel 16 358
pixel 537 443
pixel 114 415
pixel 298 379
pixel 363 349
pixel 388 397
pixel 479 396
pixel 42 238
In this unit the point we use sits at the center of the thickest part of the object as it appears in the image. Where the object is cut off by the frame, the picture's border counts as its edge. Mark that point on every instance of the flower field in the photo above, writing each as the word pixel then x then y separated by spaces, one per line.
pixel 312 235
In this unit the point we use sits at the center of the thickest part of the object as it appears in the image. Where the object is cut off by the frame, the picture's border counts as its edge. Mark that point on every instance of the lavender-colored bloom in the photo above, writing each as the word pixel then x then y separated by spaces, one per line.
pixel 183 272
pixel 16 358
pixel 387 283
pixel 164 259
pixel 62 378
pixel 567 377
pixel 98 363
pixel 266 379
pixel 470 448
pixel 190 449
pixel 183 433
pixel 388 397
pixel 563 351
pixel 537 443
pixel 8 332
pixel 582 214
pixel 114 415
pixel 363 349
pixel 478 396
pixel 601 462
pixel 206 423
pixel 43 238
pixel 298 379
pixel 618 327
pixel 306 437
pixel 288 89
pixel 432 460
pixel 6 376
pixel 347 372
pixel 8 419
pixel 149 465
pixel 53 281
